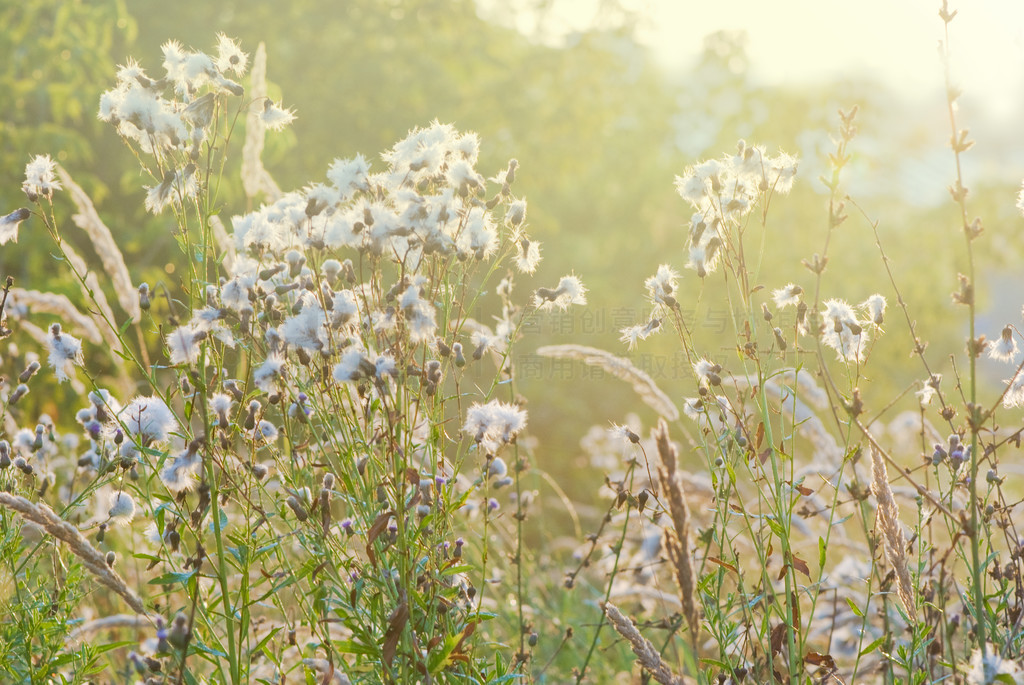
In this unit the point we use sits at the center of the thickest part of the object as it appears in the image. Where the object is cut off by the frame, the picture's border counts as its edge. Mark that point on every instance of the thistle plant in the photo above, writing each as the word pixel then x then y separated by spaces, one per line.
pixel 316 441
pixel 303 455
pixel 821 548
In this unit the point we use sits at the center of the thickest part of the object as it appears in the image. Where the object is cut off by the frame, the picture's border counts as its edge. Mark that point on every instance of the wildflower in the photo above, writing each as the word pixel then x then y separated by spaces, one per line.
pixel 148 419
pixel 229 56
pixel 782 172
pixel 384 365
pixel 1006 349
pixel 704 257
pixel 9 225
pixel 352 366
pixel 65 352
pixel 497 468
pixel 344 309
pixel 707 373
pixel 749 163
pixel 1014 396
pixel 234 294
pixel 103 405
pixel 624 433
pixel 194 70
pixel 331 269
pixel 641 331
pixel 494 424
pixel 199 114
pixel 220 405
pixel 467 146
pixel 419 315
pixel 528 255
pixel 348 175
pixel 175 187
pixel 274 116
pixel 516 213
pixel 383 321
pixel 570 290
pixel 662 285
pixel 463 177
pixel 875 308
pixel 478 236
pixel 40 180
pixel 787 296
pixel 266 432
pixel 484 341
pixel 842 332
pixel 421 154
pixel 267 374
pixel 122 508
pixel 307 329
pixel 699 182
pixel 183 344
pixel 179 475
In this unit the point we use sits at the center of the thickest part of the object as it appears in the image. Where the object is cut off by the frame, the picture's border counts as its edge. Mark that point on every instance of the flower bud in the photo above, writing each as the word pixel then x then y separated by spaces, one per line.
pixel 18 393
pixel 300 511
pixel 29 371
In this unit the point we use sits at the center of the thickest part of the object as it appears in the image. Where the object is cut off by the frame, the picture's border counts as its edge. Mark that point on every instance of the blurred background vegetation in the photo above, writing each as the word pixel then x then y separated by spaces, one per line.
pixel 600 130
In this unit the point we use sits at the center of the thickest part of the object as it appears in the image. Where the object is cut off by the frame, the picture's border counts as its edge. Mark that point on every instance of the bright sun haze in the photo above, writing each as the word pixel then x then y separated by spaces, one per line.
pixel 811 42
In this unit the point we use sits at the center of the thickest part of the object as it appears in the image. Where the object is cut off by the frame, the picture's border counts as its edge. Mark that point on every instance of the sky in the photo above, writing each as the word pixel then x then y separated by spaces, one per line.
pixel 808 41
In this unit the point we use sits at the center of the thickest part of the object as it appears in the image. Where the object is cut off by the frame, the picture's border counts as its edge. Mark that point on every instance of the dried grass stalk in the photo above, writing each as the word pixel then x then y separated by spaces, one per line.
pixel 677 541
pixel 255 178
pixel 53 303
pixel 103 242
pixel 888 522
pixel 91 557
pixel 643 385
pixel 108 623
pixel 646 654
pixel 227 246
pixel 94 293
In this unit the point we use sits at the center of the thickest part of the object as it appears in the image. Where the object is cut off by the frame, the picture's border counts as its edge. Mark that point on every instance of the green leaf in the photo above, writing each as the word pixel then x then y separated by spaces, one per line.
pixel 265 640
pixel 822 549
pixel 241 553
pixel 873 646
pixel 352 647
pixel 172 578
pixel 716 663
pixel 206 649
pixel 223 523
pixel 100 649
pixel 457 568
pixel 265 548
pixel 854 609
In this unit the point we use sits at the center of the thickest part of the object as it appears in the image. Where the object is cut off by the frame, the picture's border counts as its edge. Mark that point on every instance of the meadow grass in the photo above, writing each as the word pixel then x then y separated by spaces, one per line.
pixel 307 460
